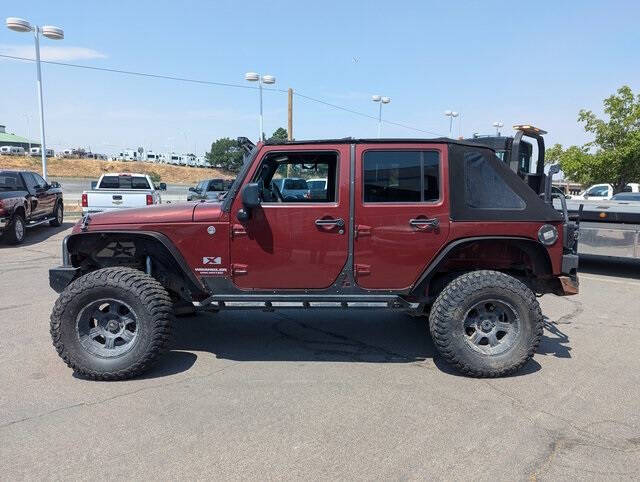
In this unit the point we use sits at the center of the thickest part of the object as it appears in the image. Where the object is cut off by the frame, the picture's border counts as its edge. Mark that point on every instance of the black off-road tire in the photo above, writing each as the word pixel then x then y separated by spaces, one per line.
pixel 447 323
pixel 152 308
pixel 13 234
pixel 58 215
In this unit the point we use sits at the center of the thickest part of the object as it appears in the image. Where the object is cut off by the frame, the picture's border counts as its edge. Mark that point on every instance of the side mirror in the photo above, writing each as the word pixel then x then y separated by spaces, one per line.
pixel 55 185
pixel 192 189
pixel 163 186
pixel 251 195
pixel 94 184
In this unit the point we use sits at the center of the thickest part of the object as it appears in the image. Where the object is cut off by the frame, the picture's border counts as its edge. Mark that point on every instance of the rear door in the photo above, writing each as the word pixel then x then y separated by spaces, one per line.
pixel 401 212
pixel 293 243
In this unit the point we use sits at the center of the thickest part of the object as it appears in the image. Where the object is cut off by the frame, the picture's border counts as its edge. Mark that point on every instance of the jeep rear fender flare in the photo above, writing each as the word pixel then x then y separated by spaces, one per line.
pixel 537 252
pixel 180 264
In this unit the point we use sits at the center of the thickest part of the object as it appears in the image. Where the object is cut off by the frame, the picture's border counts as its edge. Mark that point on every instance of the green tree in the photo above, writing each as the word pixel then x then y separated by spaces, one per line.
pixel 225 153
pixel 280 134
pixel 614 154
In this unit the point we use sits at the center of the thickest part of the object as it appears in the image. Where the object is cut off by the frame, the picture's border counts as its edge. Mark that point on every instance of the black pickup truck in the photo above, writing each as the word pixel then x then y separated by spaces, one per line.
pixel 27 200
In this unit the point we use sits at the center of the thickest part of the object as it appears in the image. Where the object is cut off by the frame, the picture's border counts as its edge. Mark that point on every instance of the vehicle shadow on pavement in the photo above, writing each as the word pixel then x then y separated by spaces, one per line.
pixel 618 267
pixel 37 234
pixel 294 336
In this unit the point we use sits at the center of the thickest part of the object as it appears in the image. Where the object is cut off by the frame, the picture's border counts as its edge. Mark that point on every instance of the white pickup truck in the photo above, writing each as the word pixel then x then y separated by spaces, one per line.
pixel 121 191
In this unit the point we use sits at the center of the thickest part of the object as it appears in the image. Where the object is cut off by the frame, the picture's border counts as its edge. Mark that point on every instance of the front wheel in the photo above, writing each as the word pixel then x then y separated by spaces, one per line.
pixel 58 215
pixel 112 323
pixel 486 324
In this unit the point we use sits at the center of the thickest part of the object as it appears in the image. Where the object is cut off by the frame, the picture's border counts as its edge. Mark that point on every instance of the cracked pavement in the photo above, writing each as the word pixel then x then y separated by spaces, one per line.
pixel 322 394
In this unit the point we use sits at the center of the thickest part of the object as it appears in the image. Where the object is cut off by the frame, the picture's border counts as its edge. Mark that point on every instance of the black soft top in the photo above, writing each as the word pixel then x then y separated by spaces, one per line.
pixel 391 140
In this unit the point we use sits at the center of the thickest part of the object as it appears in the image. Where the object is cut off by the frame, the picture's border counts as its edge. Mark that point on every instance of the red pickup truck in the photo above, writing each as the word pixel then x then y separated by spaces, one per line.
pixel 436 227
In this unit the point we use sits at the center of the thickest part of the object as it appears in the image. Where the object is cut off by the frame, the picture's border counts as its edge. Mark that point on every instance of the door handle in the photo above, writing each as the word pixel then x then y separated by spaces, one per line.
pixel 330 222
pixel 422 223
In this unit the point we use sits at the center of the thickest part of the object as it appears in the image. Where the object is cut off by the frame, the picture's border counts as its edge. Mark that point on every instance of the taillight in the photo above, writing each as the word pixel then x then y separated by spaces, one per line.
pixel 149 199
pixel 85 202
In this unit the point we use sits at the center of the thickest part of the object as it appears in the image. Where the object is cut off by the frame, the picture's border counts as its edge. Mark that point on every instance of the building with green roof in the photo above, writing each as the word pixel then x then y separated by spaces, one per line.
pixel 9 139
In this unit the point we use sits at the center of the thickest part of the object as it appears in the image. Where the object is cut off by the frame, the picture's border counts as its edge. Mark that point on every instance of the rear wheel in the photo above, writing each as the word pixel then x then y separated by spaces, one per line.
pixel 58 215
pixel 16 230
pixel 486 323
pixel 112 323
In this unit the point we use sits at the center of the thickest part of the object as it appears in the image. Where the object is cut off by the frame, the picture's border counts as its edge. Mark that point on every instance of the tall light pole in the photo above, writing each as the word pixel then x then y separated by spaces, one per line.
pixel 498 125
pixel 54 33
pixel 380 100
pixel 450 114
pixel 261 79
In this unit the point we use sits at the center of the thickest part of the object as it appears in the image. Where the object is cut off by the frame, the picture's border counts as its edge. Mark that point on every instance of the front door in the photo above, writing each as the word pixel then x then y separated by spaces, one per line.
pixel 297 238
pixel 46 196
pixel 401 212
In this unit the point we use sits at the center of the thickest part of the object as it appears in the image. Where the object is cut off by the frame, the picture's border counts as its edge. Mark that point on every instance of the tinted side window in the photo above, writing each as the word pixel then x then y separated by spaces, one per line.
pixel 31 182
pixel 484 187
pixel 38 180
pixel 401 176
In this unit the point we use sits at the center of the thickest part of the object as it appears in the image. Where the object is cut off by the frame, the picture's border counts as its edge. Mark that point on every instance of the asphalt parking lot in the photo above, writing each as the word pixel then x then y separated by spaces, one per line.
pixel 322 395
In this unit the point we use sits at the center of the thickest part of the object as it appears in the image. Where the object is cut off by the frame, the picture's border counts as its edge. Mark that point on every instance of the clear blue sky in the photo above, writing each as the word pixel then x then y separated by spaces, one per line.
pixel 492 61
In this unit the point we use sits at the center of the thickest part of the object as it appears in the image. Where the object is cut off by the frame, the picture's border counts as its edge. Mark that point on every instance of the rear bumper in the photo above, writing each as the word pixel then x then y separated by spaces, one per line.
pixel 569 282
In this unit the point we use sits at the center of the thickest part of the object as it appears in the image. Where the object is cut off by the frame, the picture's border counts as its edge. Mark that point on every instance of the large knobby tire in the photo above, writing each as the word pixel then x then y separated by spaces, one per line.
pixel 17 230
pixel 486 324
pixel 112 324
pixel 58 215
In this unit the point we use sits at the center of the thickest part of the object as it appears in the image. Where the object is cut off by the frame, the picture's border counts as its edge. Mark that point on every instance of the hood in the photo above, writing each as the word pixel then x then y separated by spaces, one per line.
pixel 161 213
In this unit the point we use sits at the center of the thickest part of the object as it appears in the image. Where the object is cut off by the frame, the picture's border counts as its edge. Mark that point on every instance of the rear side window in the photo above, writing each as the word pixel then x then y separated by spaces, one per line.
pixel 216 185
pixel 484 188
pixel 10 181
pixel 124 182
pixel 401 176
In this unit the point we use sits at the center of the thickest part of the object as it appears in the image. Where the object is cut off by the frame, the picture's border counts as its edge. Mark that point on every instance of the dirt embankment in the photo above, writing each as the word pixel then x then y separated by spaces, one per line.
pixel 91 168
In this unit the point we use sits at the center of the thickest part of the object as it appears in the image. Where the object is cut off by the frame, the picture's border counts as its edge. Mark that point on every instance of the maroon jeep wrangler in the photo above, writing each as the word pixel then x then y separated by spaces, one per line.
pixel 436 227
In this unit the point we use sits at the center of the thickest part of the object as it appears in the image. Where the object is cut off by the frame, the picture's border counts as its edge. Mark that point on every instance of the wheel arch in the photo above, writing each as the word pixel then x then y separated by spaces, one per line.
pixel 536 258
pixel 82 250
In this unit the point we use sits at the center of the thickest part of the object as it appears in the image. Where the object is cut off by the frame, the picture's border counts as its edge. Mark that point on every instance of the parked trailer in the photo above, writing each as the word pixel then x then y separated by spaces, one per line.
pixel 36 151
pixel 12 151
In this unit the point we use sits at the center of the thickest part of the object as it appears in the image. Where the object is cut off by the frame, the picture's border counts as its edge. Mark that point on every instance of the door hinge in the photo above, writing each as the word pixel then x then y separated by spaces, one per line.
pixel 239 269
pixel 238 230
pixel 363 230
pixel 363 269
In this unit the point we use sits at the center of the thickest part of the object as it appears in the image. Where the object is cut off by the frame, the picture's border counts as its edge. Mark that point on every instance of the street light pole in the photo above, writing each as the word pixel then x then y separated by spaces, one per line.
pixel 450 114
pixel 261 79
pixel 54 33
pixel 381 100
pixel 43 147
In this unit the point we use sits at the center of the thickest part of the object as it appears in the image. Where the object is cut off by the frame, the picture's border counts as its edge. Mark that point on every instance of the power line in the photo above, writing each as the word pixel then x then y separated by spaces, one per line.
pixel 220 84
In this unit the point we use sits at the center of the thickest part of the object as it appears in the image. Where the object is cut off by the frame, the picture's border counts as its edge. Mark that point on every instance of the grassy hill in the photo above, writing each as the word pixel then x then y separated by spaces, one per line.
pixel 92 168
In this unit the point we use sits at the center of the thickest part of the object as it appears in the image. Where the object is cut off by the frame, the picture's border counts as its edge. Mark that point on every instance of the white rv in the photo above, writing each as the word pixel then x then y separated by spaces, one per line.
pixel 12 151
pixel 36 151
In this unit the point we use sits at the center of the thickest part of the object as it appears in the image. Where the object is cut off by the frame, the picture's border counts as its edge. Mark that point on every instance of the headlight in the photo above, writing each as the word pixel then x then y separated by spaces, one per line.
pixel 547 234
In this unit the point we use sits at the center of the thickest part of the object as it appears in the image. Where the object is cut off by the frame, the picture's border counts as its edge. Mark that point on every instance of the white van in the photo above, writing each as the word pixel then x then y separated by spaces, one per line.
pixel 604 192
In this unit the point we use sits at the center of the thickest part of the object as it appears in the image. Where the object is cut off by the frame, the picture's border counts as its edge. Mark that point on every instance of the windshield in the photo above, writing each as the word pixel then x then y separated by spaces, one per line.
pixel 124 182
pixel 598 191
pixel 10 181
pixel 295 184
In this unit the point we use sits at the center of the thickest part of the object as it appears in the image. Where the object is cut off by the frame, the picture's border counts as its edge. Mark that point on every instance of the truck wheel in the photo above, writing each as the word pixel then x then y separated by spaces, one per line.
pixel 16 230
pixel 58 214
pixel 112 323
pixel 486 324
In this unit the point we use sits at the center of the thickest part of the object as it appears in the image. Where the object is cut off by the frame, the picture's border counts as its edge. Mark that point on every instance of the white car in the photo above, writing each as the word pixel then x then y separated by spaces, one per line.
pixel 604 192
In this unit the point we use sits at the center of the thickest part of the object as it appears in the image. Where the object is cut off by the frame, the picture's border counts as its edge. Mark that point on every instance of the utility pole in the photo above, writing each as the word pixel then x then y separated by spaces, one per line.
pixel 290 116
